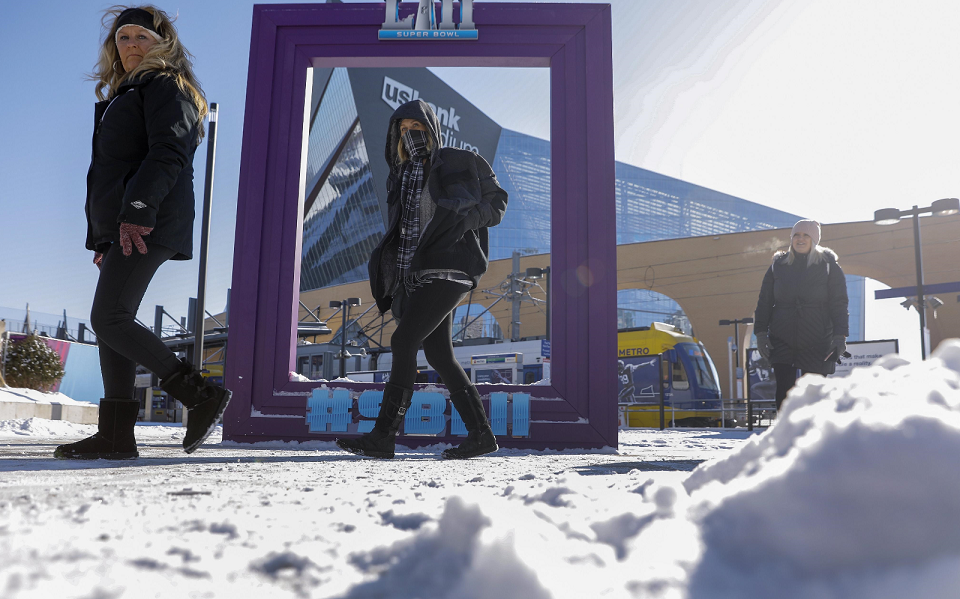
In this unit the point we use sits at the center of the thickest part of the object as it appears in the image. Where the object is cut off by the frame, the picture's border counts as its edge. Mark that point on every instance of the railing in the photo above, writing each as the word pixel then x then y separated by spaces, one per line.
pixel 764 411
pixel 16 326
pixel 732 412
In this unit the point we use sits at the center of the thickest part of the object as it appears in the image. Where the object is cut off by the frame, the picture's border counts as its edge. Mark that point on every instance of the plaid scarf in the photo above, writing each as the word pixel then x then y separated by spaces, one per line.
pixel 411 187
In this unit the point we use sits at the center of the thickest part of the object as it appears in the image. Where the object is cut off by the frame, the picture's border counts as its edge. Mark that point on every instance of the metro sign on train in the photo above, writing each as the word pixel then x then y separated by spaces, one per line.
pixel 423 25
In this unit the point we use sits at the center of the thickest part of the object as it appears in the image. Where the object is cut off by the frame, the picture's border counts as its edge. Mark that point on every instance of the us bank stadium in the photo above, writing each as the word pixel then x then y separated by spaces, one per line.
pixel 344 215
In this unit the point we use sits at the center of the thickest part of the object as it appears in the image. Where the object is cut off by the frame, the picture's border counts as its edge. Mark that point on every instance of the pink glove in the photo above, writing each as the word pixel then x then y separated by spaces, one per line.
pixel 130 235
pixel 97 259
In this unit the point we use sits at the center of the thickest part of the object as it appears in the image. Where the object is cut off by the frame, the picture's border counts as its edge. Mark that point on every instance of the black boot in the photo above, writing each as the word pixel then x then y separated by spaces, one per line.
pixel 204 401
pixel 381 441
pixel 480 439
pixel 114 439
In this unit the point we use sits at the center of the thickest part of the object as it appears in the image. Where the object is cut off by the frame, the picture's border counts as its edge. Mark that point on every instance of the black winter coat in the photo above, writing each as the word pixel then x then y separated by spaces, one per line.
pixel 141 171
pixel 802 308
pixel 461 198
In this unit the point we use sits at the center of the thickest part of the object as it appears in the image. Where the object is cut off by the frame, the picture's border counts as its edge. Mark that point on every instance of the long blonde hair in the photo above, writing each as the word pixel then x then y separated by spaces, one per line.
pixel 167 57
pixel 814 256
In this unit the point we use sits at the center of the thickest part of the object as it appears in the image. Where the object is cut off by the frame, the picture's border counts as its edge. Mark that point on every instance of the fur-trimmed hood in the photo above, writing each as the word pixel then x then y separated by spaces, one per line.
pixel 824 252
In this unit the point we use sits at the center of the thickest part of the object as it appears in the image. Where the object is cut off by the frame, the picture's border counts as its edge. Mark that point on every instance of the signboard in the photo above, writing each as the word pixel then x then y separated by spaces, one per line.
pixel 429 415
pixel 378 92
pixel 423 24
pixel 762 383
pixel 637 380
pixel 497 359
pixel 865 353
pixel 81 366
pixel 494 375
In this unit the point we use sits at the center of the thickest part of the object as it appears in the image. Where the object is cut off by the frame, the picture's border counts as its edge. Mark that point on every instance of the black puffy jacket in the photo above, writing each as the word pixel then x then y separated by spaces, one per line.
pixel 141 171
pixel 461 198
pixel 803 307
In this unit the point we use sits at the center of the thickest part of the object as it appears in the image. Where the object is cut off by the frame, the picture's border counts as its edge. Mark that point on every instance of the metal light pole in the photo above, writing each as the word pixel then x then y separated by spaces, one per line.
pixel 205 237
pixel 344 305
pixel 921 303
pixel 891 216
pixel 534 273
pixel 736 337
pixel 516 297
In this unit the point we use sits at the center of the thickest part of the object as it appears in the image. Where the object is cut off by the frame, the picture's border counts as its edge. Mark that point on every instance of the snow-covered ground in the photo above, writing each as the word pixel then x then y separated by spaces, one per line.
pixel 24 395
pixel 854 493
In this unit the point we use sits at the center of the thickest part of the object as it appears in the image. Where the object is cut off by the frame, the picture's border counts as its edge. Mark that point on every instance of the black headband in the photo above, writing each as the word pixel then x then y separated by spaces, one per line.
pixel 136 16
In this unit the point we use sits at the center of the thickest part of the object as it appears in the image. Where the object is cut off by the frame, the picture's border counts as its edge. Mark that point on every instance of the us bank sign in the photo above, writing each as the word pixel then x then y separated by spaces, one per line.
pixel 423 25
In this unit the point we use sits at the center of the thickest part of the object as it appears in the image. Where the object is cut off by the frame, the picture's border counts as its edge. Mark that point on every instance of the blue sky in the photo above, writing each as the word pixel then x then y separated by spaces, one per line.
pixel 822 108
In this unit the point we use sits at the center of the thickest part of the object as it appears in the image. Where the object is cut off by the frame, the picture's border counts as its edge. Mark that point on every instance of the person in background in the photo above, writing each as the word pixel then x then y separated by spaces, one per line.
pixel 801 321
pixel 140 212
pixel 441 202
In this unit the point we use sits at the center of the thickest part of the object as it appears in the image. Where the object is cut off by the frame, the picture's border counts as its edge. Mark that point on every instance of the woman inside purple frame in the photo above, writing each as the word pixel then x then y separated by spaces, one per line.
pixel 140 209
pixel 441 202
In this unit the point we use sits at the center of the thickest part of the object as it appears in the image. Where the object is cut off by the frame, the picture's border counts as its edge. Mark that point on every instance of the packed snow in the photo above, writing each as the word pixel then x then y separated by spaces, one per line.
pixel 24 395
pixel 853 493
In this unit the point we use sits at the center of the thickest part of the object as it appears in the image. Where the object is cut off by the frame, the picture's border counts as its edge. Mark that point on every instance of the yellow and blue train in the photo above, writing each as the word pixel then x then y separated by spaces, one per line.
pixel 662 359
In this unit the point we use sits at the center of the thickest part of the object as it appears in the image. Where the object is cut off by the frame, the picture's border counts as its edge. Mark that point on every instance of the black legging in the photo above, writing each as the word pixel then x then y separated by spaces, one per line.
pixel 123 343
pixel 427 320
pixel 786 375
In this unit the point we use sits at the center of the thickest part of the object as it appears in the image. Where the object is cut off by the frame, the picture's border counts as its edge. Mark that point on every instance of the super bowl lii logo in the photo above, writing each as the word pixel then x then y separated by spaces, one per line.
pixel 423 25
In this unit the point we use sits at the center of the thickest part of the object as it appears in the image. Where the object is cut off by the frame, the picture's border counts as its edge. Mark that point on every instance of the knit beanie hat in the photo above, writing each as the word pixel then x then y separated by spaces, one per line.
pixel 810 227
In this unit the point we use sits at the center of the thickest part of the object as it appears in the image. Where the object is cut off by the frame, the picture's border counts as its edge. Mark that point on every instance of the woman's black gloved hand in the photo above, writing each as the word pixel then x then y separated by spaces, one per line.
pixel 838 346
pixel 763 345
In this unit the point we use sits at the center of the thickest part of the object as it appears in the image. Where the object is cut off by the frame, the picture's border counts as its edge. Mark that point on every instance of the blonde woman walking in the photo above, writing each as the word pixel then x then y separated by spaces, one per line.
pixel 140 212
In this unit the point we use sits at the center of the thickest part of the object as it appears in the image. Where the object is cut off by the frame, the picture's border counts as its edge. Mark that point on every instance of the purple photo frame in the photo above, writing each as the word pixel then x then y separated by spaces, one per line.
pixel 579 408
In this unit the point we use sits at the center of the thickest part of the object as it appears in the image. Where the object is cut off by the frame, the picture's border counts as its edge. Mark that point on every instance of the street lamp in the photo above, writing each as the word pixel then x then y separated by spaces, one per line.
pixel 535 273
pixel 739 376
pixel 345 306
pixel 891 216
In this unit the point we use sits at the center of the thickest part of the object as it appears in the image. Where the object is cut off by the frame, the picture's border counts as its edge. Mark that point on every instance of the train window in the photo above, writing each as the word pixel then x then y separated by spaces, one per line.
pixel 680 380
pixel 701 367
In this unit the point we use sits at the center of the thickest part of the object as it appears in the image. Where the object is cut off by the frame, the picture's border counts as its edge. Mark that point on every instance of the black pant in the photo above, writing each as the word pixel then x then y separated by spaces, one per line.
pixel 786 376
pixel 123 343
pixel 427 320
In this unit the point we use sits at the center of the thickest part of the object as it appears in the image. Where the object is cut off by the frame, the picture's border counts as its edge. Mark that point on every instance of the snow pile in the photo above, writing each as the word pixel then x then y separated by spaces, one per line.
pixel 19 394
pixel 856 489
pixel 41 427
pixel 854 493
pixel 63 431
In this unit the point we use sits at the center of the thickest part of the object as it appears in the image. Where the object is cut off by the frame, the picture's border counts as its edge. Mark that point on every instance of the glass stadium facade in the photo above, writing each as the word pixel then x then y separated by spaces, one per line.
pixel 345 193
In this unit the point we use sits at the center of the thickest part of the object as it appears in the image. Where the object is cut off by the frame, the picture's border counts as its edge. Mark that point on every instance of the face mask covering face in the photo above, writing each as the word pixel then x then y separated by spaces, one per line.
pixel 415 142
